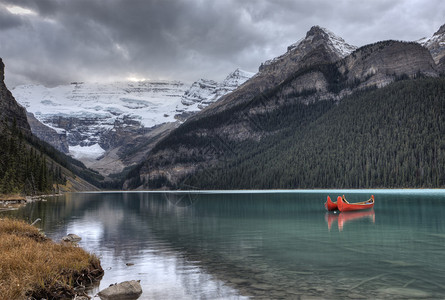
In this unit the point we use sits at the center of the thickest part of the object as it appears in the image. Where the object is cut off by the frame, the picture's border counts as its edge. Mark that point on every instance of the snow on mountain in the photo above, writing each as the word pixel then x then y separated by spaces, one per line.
pixel 204 92
pixel 235 79
pixel 333 41
pixel 339 44
pixel 437 37
pixel 199 91
pixel 88 112
pixel 436 44
pixel 150 103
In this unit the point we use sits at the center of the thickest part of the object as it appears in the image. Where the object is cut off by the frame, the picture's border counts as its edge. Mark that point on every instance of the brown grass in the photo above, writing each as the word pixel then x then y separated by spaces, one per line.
pixel 31 265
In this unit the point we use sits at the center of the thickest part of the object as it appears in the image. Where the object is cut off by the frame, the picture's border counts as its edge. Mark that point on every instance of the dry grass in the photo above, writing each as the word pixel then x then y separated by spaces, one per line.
pixel 31 265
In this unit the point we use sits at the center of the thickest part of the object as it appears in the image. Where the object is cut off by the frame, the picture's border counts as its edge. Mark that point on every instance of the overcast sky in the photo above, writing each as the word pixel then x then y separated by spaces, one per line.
pixel 53 42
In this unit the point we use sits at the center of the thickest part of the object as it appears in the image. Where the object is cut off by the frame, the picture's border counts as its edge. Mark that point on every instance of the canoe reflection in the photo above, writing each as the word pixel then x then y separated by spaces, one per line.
pixel 344 217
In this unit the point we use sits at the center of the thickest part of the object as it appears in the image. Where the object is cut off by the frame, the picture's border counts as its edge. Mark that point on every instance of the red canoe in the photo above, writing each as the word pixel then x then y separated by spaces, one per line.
pixel 329 205
pixel 344 205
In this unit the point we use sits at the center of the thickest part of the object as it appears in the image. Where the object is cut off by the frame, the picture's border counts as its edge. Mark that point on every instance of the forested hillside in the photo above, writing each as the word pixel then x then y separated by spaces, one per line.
pixel 30 166
pixel 23 169
pixel 382 138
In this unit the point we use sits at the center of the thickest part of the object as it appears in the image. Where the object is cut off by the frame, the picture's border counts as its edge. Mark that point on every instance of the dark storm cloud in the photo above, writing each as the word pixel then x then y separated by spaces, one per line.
pixel 8 21
pixel 67 40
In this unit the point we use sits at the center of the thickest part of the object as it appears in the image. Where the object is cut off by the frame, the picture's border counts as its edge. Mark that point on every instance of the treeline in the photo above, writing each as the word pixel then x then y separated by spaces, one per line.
pixel 383 138
pixel 23 169
pixel 29 166
pixel 74 166
pixel 295 109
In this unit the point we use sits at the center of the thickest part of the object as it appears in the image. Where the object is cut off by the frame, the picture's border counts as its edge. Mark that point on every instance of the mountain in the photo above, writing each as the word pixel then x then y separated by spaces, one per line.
pixel 436 45
pixel 27 164
pixel 320 46
pixel 390 137
pixel 110 126
pixel 204 92
pixel 55 138
pixel 85 112
pixel 10 111
pixel 292 91
pixel 317 36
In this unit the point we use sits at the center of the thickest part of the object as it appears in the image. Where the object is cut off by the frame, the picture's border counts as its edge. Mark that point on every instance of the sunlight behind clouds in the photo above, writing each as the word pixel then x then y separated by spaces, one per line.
pixel 17 10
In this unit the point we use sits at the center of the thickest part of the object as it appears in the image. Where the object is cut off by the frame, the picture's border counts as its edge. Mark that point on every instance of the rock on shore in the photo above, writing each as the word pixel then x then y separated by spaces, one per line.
pixel 126 290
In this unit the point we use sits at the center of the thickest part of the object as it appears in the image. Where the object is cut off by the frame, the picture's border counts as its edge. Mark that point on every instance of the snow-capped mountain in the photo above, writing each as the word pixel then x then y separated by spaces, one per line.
pixel 85 111
pixel 335 43
pixel 319 46
pixel 199 91
pixel 204 92
pixel 316 70
pixel 436 45
pixel 148 103
pixel 94 115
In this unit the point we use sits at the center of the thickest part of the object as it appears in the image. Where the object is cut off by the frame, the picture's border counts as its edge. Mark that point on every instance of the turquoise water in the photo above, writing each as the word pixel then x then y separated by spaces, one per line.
pixel 274 245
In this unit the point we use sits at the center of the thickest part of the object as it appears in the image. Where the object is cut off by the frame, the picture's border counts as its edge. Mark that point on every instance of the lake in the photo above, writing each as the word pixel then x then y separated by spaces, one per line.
pixel 257 244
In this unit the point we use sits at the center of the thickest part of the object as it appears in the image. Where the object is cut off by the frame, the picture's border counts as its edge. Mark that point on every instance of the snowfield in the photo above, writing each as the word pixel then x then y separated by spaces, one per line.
pixel 150 103
pixel 85 111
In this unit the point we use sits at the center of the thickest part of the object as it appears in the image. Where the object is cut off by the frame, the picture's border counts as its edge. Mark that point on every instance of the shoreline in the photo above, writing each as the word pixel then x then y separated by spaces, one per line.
pixel 28 272
pixel 15 201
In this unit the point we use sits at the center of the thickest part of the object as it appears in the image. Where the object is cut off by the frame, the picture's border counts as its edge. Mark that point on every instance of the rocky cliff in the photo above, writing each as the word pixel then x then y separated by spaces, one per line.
pixel 55 138
pixel 436 44
pixel 380 63
pixel 10 111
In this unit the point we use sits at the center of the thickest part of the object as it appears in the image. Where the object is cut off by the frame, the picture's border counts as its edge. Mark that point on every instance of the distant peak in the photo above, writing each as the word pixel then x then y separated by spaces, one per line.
pixel 435 40
pixel 316 30
pixel 237 78
pixel 315 37
pixel 239 72
pixel 236 72
pixel 441 30
pixel 333 41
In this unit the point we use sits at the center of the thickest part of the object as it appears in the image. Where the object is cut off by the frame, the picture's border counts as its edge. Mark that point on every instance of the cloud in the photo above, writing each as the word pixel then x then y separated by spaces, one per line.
pixel 102 40
pixel 9 20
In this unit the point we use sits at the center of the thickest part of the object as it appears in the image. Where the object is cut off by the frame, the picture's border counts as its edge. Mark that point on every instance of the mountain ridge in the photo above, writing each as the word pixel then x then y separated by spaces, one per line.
pixel 313 76
pixel 388 137
pixel 102 123
pixel 10 111
pixel 436 45
pixel 312 72
pixel 315 48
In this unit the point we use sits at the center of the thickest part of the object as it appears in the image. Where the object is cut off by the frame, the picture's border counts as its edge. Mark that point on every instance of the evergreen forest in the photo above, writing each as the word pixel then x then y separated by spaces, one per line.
pixel 29 166
pixel 392 137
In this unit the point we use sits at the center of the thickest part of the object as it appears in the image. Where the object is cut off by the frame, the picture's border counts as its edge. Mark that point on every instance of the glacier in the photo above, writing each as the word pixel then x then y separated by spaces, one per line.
pixel 88 113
